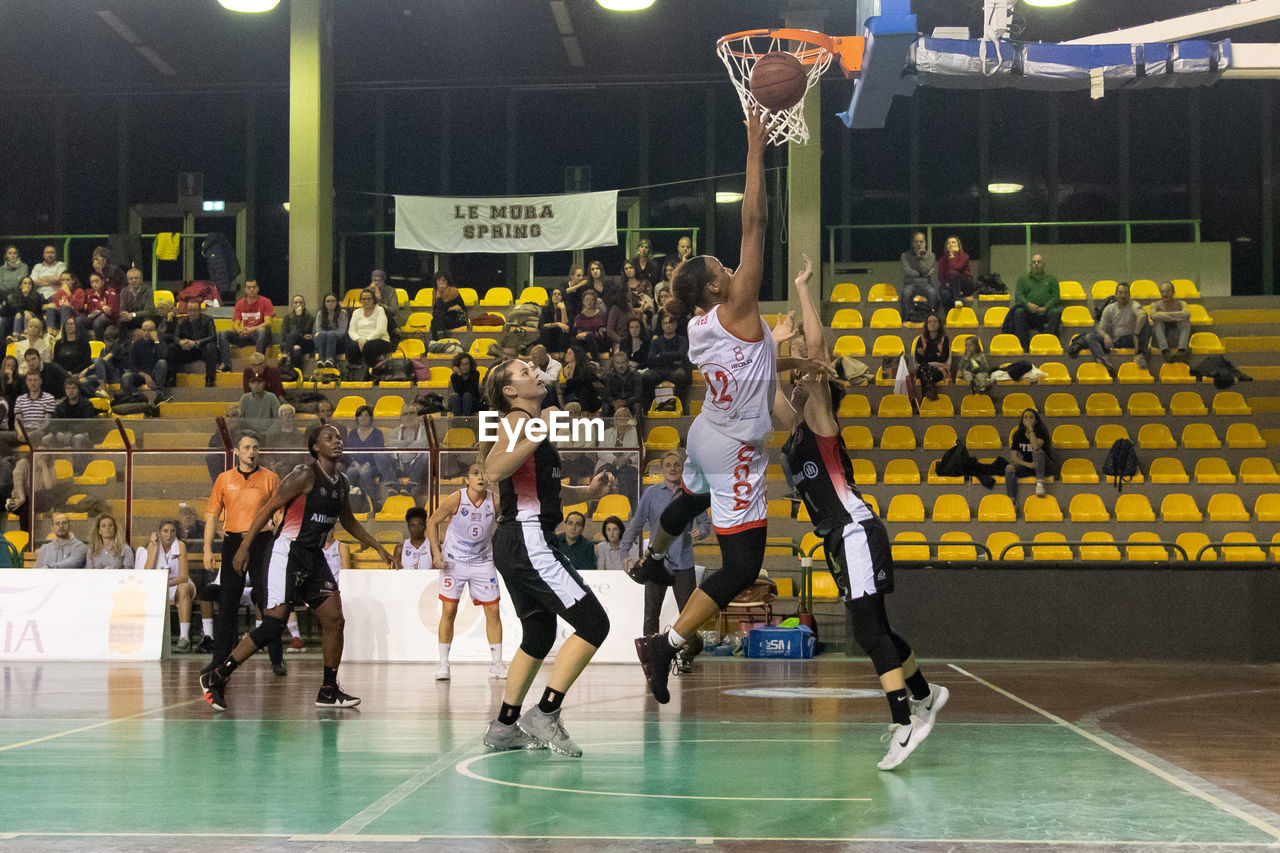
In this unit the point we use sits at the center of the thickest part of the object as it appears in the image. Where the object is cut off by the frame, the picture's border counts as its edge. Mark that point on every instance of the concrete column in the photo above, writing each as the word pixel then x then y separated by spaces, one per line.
pixel 310 150
pixel 803 225
pixel 251 187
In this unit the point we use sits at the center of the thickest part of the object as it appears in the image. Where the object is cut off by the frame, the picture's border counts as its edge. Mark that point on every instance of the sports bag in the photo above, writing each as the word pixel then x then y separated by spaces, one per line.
pixel 1121 462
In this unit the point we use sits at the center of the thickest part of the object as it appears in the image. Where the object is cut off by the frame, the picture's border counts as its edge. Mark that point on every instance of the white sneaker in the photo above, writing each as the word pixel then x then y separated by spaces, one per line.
pixel 927 708
pixel 903 741
pixel 548 731
pixel 442 671
pixel 1039 490
pixel 498 670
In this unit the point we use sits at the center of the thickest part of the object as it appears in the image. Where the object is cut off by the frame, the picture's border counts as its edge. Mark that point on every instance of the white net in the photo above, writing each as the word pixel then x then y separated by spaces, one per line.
pixel 739 53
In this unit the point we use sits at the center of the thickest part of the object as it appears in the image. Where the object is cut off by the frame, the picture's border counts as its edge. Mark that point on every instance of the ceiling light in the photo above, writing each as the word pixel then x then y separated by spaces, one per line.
pixel 1048 3
pixel 1004 189
pixel 728 197
pixel 251 6
pixel 625 5
pixel 286 207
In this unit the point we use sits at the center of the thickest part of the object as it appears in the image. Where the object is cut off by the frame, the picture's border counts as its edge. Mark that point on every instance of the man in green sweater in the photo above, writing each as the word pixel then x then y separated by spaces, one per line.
pixel 1036 303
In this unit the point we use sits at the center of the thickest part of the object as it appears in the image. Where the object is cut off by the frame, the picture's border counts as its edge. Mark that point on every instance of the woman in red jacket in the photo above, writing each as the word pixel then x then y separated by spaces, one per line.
pixel 99 305
pixel 954 280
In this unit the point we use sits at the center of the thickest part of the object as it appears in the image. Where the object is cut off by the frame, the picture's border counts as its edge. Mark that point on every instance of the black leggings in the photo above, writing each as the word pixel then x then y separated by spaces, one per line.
pixel 586 616
pixel 871 629
pixel 231 588
pixel 741 553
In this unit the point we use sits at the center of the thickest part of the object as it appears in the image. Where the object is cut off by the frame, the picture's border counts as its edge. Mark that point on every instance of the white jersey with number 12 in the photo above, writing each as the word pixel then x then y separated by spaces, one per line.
pixel 741 377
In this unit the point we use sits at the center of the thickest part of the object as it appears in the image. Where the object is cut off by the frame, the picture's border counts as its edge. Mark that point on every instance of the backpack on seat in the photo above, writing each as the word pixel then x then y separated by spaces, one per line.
pixel 1121 462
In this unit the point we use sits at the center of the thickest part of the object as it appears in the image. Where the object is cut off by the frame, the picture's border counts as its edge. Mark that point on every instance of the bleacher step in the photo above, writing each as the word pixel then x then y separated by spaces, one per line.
pixel 1252 343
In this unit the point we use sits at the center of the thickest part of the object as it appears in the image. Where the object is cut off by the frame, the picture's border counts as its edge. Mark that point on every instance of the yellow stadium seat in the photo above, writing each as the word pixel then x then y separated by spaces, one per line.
pixel 1185 288
pixel 1156 436
pixel 1051 552
pixel 1187 403
pixel 113 441
pixel 951 508
pixel 1092 373
pixel 162 299
pixel 886 377
pixel 1258 470
pixel 1136 550
pixel 864 473
pixel 998 542
pixel 20 539
pixel 903 551
pixel 480 347
pixel 1106 435
pixel 347 406
pixel 62 469
pixel 1055 373
pixel 957 552
pixel 1180 507
pixel 1042 508
pixel 536 294
pixel 96 348
pixel 388 406
pixel 469 296
pixel 1016 403
pixel 779 508
pixel 1134 508
pixel 1099 551
pixel 996 508
pixel 939 437
pixel 411 348
pixel 1267 507
pixel 418 321
pixel 994 316
pixel 440 377
pixel 394 508
pixel 1076 317
pixel 851 318
pixel 422 299
pixel 1213 470
pixel 895 406
pixel 807 545
pixel 882 293
pixel 905 508
pixel 1043 344
pixel 662 438
pixel 1102 405
pixel 459 437
pixel 1206 343
pixel 1005 344
pixel 897 438
pixel 850 345
pixel 871 502
pixel 618 505
pixel 1166 470
pixel 1227 506
pixel 1078 471
pixel 983 437
pixel 1130 374
pixel 962 318
pixel 497 297
pixel 901 472
pixel 856 437
pixel 1061 405
pixel 1244 435
pixel 977 406
pixel 655 412
pixel 1239 554
pixel 942 407
pixel 1200 437
pixel 1088 507
pixel 802 513
pixel 882 318
pixel 774 474
pixel 1144 288
pixel 1176 373
pixel 97 473
pixel 933 478
pixel 846 291
pixel 1070 290
pixel 854 406
pixel 887 346
pixel 1199 315
pixel 1070 437
pixel 1231 403
pixel 1103 288
pixel 1192 542
pixel 824 586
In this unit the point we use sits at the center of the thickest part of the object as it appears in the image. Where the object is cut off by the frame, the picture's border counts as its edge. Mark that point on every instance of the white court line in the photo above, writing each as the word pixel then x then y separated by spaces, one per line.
pixel 396 795
pixel 97 725
pixel 1255 822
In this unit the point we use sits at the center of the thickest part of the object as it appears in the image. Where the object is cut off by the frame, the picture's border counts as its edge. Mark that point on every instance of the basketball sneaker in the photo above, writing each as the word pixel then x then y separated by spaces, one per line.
pixel 656 654
pixel 214 689
pixel 206 645
pixel 183 646
pixel 903 741
pixel 547 730
pixel 685 656
pixel 499 737
pixel 331 696
pixel 650 568
pixel 295 645
pixel 927 708
pixel 280 669
pixel 442 671
pixel 498 670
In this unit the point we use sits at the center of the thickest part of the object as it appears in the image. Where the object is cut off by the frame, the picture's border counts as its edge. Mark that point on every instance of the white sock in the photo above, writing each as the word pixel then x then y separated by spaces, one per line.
pixel 444 652
pixel 293 627
pixel 674 639
pixel 206 625
pixel 184 630
pixel 495 651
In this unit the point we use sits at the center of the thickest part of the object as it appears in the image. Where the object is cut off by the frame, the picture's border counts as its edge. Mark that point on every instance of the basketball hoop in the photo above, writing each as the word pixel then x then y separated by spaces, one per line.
pixel 815 50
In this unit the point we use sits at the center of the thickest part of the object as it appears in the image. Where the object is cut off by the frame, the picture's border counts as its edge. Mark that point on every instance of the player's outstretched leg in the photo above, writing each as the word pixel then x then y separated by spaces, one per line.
pixel 332 624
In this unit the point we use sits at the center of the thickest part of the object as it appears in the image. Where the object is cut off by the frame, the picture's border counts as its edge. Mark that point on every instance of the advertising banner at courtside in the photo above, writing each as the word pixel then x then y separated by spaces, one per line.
pixel 507 224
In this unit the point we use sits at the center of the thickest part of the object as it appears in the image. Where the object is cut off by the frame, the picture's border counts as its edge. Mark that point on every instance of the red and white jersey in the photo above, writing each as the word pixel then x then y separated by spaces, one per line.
pixel 414 559
pixel 741 377
pixel 469 536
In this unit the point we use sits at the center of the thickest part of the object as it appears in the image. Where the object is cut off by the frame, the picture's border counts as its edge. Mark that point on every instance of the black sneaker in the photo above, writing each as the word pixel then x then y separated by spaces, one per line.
pixel 686 654
pixel 214 689
pixel 206 645
pixel 331 696
pixel 280 669
pixel 656 654
pixel 650 568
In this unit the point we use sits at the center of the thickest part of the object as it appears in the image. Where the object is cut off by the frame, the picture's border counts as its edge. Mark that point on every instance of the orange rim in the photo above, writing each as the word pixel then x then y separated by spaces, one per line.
pixel 847 48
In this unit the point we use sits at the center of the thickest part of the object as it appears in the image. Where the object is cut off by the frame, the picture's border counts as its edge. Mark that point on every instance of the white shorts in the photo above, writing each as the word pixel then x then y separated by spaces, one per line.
pixel 734 474
pixel 482 577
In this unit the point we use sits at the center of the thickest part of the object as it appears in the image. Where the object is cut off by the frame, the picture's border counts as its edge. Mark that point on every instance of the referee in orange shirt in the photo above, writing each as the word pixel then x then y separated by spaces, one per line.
pixel 240 493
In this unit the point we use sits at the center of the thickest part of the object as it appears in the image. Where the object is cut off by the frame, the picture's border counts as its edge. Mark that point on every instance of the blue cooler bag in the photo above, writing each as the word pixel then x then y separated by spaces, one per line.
pixel 773 642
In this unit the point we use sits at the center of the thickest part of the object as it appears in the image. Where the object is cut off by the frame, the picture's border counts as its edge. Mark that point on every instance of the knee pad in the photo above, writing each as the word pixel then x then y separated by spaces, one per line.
pixel 589 620
pixel 872 634
pixel 742 556
pixel 682 510
pixel 267 631
pixel 538 634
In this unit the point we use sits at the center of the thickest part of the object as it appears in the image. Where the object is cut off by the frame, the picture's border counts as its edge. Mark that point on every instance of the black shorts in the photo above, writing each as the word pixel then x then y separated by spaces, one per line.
pixel 538 577
pixel 298 574
pixel 860 558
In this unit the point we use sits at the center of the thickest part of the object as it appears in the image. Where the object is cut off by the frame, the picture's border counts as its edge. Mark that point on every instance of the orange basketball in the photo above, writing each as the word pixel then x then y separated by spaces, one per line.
pixel 778 81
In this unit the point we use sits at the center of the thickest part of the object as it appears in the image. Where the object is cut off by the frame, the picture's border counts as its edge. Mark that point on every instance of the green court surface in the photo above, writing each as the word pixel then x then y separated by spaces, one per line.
pixel 136 759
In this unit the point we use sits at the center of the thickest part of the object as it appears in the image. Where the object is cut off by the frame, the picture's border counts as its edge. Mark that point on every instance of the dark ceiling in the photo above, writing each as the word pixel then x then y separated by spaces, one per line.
pixel 71 46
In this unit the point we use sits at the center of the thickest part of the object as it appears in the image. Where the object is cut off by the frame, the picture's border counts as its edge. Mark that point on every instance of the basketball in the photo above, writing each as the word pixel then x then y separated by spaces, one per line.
pixel 778 81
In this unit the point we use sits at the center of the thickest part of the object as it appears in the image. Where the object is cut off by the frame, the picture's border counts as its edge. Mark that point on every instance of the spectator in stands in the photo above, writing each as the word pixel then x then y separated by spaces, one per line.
pixel 636 342
pixel 111 274
pixel 448 310
pixel 553 328
pixel 51 373
pixel 297 335
pixel 465 385
pixel 271 378
pixel 107 549
pixel 196 339
pixel 20 306
pixel 955 282
pixel 669 359
pixel 668 272
pixel 166 552
pixel 595 280
pixel 137 301
pixel 623 385
pixel 637 288
pixel 368 341
pixel 63 551
pixel 1032 453
pixel 12 386
pixel 62 303
pixel 330 331
pixel 368 471
pixel 257 404
pixel 1123 324
pixel 72 352
pixel 324 414
pixel 1171 325
pixel 580 550
pixel 932 352
pixel 101 307
pixel 919 276
pixel 36 339
pixel 67 432
pixel 647 269
pixel 190 527
pixel 146 370
pixel 684 249
pixel 384 293
pixel 114 358
pixel 548 367
pixel 617 304
pixel 579 382
pixel 590 326
pixel 250 324
pixel 285 433
pixel 609 553
pixel 34 408
pixel 1037 304
pixel 409 465
pixel 621 432
pixel 975 369
pixel 12 271
pixel 47 273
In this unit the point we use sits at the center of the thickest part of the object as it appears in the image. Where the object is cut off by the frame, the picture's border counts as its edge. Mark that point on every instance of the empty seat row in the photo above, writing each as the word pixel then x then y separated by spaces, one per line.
pixel 1087 508
pixel 1142 288
pixel 1004 345
pixel 1057 405
pixel 1073 317
pixel 1151 436
pixel 1098 545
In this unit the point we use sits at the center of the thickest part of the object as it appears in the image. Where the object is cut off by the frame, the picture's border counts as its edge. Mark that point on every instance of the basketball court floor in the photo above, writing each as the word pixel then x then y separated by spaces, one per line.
pixel 748 755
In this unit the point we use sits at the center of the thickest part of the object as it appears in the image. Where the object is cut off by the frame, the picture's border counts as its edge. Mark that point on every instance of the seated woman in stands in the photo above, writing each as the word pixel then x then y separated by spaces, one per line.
pixel 62 303
pixel 932 355
pixel 955 282
pixel 1032 452
pixel 448 310
pixel 590 326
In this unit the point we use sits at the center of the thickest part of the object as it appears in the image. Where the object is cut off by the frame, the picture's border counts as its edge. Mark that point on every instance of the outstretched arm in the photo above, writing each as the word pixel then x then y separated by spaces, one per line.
pixel 814 341
pixel 742 303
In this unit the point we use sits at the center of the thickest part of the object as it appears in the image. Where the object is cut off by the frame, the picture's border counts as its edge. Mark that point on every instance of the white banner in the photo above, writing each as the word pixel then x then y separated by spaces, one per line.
pixel 507 224
pixel 82 614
